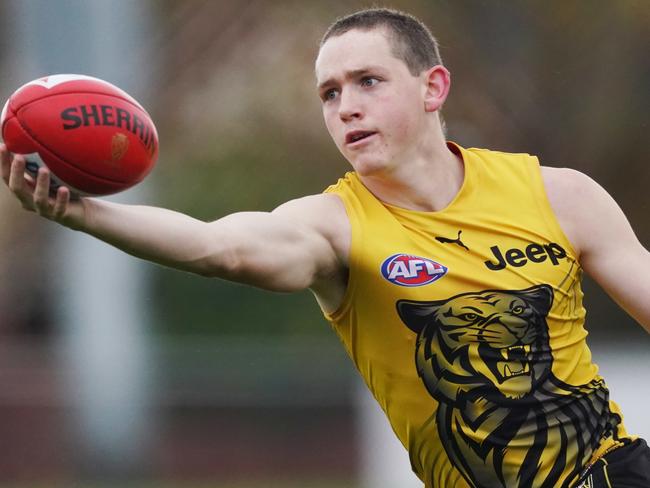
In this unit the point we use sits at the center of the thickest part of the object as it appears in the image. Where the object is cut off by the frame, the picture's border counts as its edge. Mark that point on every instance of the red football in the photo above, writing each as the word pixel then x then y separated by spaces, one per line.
pixel 94 138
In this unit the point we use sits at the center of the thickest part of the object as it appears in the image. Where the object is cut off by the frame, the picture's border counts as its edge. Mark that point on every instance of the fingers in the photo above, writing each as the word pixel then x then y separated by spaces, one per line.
pixel 17 182
pixel 41 199
pixel 61 203
pixel 5 163
pixel 33 193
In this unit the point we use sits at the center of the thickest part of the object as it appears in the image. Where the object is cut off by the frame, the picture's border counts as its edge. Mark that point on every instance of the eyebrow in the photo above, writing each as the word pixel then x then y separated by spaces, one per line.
pixel 351 74
pixel 473 308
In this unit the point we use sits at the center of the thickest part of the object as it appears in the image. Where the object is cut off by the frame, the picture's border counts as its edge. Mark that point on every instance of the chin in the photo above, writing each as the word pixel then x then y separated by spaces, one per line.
pixel 366 167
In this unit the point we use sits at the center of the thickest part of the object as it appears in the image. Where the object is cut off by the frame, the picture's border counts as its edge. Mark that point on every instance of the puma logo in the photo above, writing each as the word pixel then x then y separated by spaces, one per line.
pixel 446 240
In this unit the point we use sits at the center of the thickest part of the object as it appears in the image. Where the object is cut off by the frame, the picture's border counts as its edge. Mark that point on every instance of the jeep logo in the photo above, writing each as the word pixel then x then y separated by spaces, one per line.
pixel 535 253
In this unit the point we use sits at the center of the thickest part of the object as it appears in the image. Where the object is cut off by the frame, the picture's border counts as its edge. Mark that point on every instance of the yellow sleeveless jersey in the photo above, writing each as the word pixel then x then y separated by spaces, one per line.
pixel 467 326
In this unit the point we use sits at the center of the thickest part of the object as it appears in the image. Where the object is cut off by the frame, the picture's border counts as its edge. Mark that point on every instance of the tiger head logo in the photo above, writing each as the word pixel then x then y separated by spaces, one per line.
pixel 492 344
pixel 486 358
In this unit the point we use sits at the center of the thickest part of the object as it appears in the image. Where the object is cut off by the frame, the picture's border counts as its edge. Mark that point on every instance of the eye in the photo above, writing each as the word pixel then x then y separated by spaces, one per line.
pixel 369 81
pixel 330 95
pixel 518 310
pixel 469 317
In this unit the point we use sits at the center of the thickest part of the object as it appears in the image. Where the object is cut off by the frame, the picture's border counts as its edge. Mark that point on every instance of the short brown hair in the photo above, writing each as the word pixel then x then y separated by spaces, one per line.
pixel 410 40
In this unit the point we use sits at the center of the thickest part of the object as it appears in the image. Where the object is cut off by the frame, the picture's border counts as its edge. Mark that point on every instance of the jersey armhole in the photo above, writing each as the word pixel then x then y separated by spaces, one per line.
pixel 546 209
pixel 355 242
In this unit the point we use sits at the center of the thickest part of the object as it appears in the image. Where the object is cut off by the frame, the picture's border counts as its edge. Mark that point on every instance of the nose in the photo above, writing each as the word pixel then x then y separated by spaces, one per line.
pixel 349 107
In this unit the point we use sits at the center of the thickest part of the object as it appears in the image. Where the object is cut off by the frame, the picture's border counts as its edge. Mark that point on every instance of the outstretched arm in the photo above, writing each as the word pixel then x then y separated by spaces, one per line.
pixel 608 249
pixel 288 249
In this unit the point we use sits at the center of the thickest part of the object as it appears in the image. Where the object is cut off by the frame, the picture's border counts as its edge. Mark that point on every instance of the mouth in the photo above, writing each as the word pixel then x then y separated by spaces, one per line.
pixel 517 361
pixel 357 136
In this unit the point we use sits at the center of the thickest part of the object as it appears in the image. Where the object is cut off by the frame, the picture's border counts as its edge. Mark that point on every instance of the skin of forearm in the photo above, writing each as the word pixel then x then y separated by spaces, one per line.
pixel 155 234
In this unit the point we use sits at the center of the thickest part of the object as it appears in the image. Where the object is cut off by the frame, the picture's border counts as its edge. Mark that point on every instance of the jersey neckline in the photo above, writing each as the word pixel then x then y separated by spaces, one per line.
pixel 461 195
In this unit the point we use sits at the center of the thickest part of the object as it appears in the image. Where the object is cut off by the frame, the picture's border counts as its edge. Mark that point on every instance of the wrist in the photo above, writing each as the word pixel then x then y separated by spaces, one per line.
pixel 78 215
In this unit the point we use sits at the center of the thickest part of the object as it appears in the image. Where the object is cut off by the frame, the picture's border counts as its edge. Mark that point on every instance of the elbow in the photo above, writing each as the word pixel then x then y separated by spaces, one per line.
pixel 225 263
pixel 209 270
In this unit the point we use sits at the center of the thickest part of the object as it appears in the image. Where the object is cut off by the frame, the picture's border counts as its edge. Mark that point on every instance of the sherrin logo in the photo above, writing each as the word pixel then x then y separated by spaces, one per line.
pixel 408 270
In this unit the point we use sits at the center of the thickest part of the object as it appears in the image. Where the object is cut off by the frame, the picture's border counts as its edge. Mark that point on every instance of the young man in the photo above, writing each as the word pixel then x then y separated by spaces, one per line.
pixel 452 276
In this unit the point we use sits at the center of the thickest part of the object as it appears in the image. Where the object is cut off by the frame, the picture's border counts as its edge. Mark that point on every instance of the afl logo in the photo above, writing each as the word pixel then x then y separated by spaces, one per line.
pixel 407 270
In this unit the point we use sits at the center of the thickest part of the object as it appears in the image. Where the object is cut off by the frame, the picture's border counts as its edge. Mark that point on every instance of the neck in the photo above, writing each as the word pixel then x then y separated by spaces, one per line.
pixel 427 184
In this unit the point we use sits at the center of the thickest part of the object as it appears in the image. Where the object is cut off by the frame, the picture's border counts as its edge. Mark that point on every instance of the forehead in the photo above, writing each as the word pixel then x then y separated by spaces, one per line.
pixel 355 50
pixel 494 300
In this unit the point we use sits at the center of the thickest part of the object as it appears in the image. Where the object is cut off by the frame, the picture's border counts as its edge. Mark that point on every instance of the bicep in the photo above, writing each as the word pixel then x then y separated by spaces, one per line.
pixel 609 250
pixel 269 250
pixel 625 276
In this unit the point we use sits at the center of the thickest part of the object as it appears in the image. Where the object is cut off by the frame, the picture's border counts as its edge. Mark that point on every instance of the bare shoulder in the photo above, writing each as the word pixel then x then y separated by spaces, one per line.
pixel 325 213
pixel 563 182
pixel 583 207
pixel 567 189
pixel 310 206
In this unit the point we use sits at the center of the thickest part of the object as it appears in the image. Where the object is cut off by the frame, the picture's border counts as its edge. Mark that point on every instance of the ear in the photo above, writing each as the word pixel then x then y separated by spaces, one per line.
pixel 416 315
pixel 438 83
